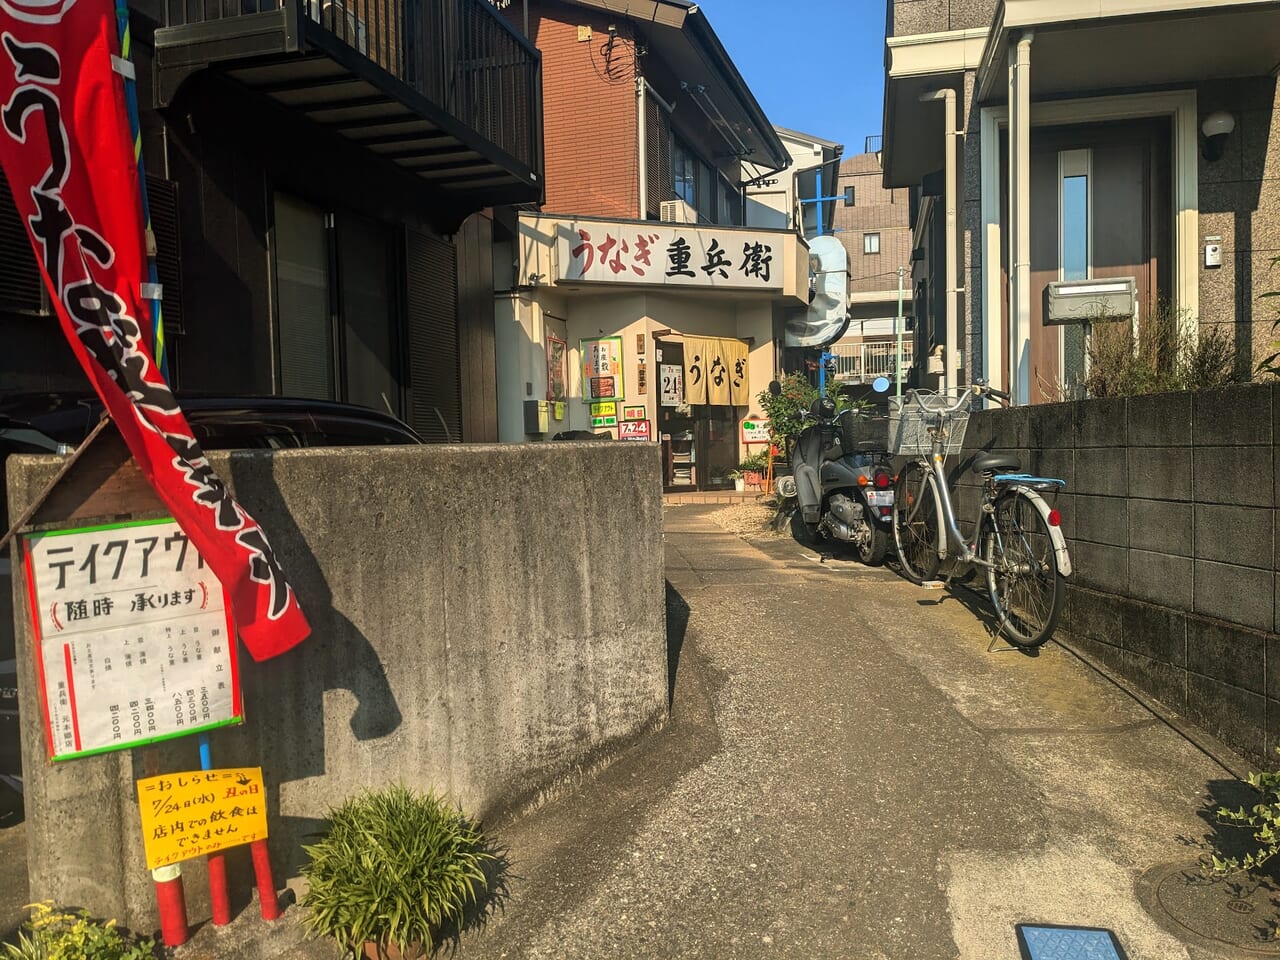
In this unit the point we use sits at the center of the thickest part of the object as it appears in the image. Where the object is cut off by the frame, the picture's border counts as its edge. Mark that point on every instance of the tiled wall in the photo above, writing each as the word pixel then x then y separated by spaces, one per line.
pixel 1170 513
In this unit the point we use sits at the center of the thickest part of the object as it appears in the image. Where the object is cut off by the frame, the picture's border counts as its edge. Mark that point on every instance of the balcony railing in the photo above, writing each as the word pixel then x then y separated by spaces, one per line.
pixel 863 362
pixel 461 56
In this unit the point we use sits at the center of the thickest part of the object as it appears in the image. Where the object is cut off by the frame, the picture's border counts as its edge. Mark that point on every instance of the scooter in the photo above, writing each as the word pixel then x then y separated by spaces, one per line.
pixel 842 478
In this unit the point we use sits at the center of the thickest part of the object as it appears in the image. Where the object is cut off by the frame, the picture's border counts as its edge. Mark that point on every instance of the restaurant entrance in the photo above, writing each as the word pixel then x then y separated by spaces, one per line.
pixel 699 441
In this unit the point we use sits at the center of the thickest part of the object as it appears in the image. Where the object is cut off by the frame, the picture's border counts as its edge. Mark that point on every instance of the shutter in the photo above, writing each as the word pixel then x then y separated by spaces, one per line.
pixel 162 201
pixel 431 321
pixel 21 286
pixel 657 156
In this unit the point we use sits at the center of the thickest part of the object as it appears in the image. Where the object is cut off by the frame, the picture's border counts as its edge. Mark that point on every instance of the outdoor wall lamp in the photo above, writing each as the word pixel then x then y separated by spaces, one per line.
pixel 1216 128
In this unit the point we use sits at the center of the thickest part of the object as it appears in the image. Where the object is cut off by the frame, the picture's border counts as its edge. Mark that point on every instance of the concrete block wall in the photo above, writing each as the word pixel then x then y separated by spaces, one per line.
pixel 1170 513
pixel 486 620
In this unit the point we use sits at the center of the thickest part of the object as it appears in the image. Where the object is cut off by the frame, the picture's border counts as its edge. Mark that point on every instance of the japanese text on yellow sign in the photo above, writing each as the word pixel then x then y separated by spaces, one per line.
pixel 187 815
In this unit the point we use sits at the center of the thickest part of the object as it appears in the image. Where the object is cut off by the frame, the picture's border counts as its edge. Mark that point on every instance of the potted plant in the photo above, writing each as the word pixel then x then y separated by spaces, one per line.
pixel 395 868
pixel 752 469
pixel 739 483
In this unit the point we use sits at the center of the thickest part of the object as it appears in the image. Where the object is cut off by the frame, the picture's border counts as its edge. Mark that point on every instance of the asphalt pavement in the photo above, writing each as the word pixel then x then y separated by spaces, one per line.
pixel 849 771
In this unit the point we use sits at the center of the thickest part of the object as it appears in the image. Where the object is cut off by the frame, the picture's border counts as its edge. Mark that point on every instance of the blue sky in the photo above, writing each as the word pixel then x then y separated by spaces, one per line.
pixel 814 65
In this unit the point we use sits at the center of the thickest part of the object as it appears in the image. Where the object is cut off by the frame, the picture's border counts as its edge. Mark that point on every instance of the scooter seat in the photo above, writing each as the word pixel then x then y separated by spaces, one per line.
pixel 996 462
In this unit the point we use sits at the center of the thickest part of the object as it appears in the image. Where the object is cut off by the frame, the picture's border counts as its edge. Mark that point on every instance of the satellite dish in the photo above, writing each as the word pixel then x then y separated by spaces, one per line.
pixel 827 317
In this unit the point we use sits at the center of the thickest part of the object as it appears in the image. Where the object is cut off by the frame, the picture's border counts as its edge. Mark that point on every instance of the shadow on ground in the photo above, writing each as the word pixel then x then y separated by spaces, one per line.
pixel 677 625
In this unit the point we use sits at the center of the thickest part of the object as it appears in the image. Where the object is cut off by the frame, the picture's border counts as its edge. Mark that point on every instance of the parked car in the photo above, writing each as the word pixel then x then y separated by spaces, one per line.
pixel 57 423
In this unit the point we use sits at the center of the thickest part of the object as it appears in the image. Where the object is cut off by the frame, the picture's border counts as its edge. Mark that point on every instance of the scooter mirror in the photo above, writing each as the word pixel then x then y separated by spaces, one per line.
pixel 880 384
pixel 775 388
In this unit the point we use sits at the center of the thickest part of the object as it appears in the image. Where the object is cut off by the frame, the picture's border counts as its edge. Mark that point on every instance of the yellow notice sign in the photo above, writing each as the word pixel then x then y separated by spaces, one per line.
pixel 187 815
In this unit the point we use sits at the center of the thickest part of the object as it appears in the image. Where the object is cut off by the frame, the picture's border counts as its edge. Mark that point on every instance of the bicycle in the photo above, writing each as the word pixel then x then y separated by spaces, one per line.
pixel 1017 538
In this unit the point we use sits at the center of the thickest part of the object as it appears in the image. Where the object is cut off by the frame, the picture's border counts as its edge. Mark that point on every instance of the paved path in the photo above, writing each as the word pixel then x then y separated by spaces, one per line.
pixel 848 773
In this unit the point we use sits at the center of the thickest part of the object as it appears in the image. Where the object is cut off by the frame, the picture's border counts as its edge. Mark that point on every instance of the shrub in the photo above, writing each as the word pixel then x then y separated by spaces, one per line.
pixel 788 407
pixel 394 868
pixel 1166 355
pixel 52 934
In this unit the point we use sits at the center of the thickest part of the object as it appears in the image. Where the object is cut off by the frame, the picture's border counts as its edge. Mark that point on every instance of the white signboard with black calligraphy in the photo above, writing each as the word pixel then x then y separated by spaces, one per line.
pixel 669 254
pixel 134 638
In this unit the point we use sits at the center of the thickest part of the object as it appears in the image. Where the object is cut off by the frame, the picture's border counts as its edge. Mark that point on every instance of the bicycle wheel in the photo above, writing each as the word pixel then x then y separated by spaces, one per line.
pixel 915 522
pixel 1025 585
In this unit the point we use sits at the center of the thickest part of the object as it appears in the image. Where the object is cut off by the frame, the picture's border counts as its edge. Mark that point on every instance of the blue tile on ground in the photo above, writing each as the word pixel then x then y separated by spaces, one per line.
pixel 1039 942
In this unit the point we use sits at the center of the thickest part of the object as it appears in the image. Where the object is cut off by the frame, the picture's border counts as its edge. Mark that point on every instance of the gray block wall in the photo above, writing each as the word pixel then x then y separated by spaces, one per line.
pixel 486 620
pixel 1170 514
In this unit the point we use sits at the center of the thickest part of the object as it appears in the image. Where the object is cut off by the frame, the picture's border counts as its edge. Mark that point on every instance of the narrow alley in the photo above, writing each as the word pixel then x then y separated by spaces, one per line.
pixel 848 772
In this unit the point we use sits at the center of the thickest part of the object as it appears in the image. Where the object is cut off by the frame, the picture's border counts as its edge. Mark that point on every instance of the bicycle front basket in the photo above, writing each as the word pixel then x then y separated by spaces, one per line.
pixel 909 425
pixel 863 433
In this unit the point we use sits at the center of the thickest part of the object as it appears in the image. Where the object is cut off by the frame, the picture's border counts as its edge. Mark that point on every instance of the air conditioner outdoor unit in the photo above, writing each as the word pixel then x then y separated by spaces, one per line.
pixel 677 211
pixel 334 15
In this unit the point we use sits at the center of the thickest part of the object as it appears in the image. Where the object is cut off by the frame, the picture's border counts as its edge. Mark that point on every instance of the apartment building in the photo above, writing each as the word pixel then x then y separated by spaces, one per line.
pixel 875 230
pixel 319 177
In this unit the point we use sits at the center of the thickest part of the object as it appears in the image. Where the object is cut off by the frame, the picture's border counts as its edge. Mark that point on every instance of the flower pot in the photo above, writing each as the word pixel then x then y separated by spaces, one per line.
pixel 392 952
pixel 739 484
pixel 753 478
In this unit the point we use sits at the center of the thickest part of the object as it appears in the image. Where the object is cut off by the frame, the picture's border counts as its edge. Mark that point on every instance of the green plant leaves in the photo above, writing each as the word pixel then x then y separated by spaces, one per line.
pixel 52 934
pixel 395 867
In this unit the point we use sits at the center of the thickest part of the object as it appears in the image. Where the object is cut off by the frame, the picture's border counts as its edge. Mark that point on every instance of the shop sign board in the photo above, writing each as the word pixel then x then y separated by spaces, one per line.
pixel 755 430
pixel 634 430
pixel 670 255
pixel 187 815
pixel 606 408
pixel 633 413
pixel 134 639
pixel 602 368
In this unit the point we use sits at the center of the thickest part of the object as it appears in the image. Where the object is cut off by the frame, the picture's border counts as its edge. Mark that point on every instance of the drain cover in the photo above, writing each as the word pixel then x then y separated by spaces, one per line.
pixel 1041 942
pixel 1238 911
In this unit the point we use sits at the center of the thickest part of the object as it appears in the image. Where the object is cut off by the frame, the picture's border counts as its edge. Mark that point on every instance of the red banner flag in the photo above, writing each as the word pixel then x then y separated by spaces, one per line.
pixel 66 150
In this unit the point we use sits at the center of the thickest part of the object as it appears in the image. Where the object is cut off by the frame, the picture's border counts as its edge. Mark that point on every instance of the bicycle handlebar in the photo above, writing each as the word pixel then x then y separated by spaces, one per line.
pixel 976 389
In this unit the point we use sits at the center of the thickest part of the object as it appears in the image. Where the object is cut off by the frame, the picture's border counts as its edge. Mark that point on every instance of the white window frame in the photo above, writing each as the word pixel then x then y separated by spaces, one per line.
pixel 1075 163
pixel 1180 105
pixel 868 240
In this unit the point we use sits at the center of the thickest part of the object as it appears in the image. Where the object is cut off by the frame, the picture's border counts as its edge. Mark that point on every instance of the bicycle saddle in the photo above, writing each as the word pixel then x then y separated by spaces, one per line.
pixel 993 462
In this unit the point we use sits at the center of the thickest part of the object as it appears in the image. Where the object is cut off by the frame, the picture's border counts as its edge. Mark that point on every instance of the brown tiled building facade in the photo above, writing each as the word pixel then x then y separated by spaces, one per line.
pixel 876 211
pixel 591 158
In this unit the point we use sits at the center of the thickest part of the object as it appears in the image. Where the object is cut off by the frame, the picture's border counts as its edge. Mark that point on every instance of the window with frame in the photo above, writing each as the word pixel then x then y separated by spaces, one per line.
pixel 337 316
pixel 700 185
pixel 870 243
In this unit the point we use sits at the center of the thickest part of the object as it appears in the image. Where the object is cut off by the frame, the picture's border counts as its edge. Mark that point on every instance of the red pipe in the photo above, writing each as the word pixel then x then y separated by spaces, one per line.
pixel 218 890
pixel 172 904
pixel 266 885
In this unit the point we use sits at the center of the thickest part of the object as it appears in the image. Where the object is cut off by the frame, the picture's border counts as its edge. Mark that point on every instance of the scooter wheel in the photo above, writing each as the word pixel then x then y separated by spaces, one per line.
pixel 804 534
pixel 872 550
